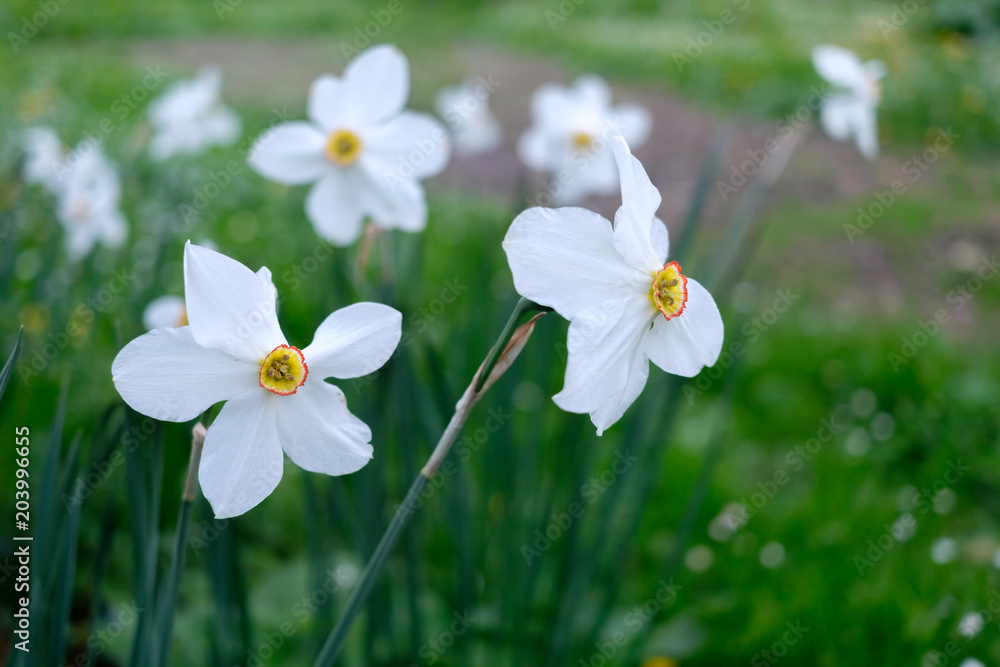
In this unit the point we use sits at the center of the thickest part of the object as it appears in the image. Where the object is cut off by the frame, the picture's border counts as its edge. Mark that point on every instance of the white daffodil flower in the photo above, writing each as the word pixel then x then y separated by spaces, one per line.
pixel 850 113
pixel 89 197
pixel 626 306
pixel 276 398
pixel 364 153
pixel 570 137
pixel 43 154
pixel 189 117
pixel 165 311
pixel 474 128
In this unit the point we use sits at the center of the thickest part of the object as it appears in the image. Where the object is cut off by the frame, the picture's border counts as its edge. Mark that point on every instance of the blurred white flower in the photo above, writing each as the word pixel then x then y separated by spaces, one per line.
pixel 233 350
pixel 971 624
pixel 971 662
pixel 189 117
pixel 850 113
pixel 365 153
pixel 570 137
pixel 89 197
pixel 944 550
pixel 466 109
pixel 43 155
pixel 625 306
pixel 165 311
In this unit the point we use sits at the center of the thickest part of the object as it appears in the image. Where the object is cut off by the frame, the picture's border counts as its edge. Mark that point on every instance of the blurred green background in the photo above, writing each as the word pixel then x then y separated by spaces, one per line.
pixel 814 555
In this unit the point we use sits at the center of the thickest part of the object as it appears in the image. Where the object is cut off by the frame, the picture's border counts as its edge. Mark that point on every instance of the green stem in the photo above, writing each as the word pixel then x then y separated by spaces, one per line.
pixel 168 605
pixel 413 502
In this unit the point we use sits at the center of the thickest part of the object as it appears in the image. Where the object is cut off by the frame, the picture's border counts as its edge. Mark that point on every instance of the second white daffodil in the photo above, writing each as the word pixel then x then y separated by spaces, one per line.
pixel 276 398
pixel 626 304
pixel 364 152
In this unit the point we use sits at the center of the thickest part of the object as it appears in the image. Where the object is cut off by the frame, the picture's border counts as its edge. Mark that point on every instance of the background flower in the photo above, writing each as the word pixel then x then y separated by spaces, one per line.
pixel 570 137
pixel 466 109
pixel 850 114
pixel 89 199
pixel 364 152
pixel 189 117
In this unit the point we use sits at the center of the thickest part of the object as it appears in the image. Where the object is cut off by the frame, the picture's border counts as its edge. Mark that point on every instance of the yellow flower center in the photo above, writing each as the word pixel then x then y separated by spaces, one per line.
pixel 343 148
pixel 182 319
pixel 284 370
pixel 582 142
pixel 669 290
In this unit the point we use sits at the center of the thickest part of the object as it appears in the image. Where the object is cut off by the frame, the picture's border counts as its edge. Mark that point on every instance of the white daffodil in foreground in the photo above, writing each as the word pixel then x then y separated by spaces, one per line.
pixel 276 399
pixel 465 108
pixel 850 113
pixel 570 137
pixel 363 152
pixel 626 304
pixel 89 198
pixel 189 117
pixel 43 155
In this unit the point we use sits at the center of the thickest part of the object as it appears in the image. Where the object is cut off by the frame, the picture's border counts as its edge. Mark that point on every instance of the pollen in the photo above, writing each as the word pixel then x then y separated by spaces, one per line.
pixel 284 370
pixel 343 148
pixel 669 290
pixel 182 318
pixel 582 142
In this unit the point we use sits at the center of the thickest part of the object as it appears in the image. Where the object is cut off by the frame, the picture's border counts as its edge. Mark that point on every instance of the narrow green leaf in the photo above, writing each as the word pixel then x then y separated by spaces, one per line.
pixel 8 368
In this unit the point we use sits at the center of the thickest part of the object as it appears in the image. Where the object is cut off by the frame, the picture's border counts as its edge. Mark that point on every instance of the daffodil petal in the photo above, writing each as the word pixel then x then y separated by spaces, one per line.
pixel 230 308
pixel 412 145
pixel 290 153
pixel 866 132
pixel 320 434
pixel 377 83
pixel 538 150
pixel 593 91
pixel 685 344
pixel 838 116
pixel 602 374
pixel 660 238
pixel 394 202
pixel 354 341
pixel 166 375
pixel 328 103
pixel 334 206
pixel 566 259
pixel 635 217
pixel 241 463
pixel 840 67
pixel 633 122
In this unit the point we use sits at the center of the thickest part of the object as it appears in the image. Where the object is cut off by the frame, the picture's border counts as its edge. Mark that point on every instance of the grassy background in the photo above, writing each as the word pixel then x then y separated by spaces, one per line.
pixel 247 578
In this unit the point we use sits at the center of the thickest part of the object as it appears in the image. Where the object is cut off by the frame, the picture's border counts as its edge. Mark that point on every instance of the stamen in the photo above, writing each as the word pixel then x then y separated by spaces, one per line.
pixel 284 370
pixel 343 148
pixel 669 290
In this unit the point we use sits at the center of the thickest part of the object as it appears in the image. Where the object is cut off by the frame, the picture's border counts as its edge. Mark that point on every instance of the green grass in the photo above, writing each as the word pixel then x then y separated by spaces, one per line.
pixel 856 303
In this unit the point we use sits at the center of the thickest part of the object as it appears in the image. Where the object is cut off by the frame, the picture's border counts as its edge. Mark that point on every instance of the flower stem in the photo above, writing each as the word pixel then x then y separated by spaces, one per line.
pixel 168 604
pixel 413 501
